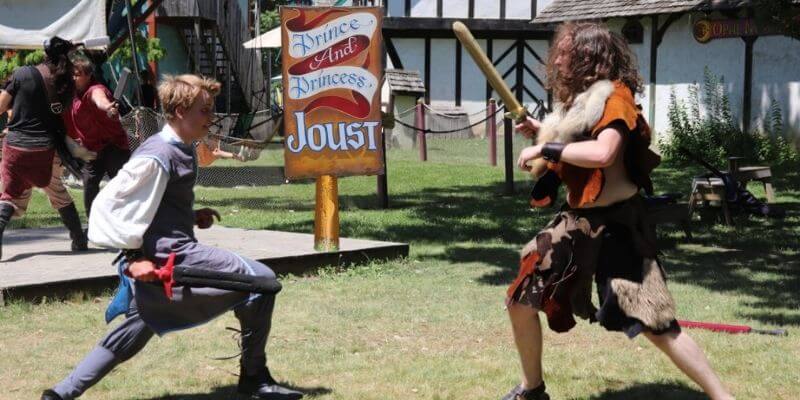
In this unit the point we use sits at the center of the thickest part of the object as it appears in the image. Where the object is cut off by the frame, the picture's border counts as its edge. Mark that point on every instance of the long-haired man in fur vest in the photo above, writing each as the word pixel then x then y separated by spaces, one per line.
pixel 596 143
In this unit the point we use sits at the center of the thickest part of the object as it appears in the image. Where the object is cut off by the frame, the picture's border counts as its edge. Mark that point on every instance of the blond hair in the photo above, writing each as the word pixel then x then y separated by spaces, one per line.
pixel 183 90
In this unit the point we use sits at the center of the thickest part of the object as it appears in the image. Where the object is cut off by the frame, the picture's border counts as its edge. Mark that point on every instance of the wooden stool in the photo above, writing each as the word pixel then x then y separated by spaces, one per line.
pixel 706 190
pixel 753 173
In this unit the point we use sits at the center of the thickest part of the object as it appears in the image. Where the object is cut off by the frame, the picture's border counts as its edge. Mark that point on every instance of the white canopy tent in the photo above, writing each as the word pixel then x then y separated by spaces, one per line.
pixel 271 39
pixel 25 24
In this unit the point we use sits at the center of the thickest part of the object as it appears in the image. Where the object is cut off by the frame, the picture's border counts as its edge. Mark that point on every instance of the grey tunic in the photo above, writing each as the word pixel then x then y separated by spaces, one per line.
pixel 172 230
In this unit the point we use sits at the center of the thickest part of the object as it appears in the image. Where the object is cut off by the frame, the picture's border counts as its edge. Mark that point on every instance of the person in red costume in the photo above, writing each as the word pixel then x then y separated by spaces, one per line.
pixel 93 120
pixel 596 143
pixel 36 96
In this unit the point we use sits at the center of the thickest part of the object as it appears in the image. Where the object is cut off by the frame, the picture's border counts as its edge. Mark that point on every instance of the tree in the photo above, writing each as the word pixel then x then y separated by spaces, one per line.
pixel 270 19
pixel 151 47
pixel 785 14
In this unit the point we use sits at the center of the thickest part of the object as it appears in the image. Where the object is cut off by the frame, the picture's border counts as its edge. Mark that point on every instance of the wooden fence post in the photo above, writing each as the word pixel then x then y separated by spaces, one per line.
pixel 492 131
pixel 420 125
pixel 509 154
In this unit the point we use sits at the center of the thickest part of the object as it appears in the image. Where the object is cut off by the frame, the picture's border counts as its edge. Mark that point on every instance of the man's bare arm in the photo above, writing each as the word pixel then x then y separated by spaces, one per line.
pixel 599 153
pixel 5 101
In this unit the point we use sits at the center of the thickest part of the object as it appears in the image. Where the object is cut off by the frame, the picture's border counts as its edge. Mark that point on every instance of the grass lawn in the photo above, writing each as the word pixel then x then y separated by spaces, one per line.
pixel 433 326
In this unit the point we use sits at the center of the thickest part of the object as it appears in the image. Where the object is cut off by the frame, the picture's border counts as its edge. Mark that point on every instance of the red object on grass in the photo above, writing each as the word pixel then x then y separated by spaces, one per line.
pixel 727 328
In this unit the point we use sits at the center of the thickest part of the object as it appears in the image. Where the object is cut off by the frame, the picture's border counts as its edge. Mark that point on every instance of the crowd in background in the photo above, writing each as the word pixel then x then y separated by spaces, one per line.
pixel 60 114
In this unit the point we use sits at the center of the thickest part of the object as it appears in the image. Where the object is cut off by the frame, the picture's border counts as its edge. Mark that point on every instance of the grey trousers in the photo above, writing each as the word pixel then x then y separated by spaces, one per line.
pixel 130 337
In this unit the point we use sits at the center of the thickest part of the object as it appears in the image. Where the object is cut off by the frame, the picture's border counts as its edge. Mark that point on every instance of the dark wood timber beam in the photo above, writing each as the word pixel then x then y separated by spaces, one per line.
pixel 481 28
pixel 136 22
pixel 747 104
pixel 656 36
pixel 392 52
pixel 662 30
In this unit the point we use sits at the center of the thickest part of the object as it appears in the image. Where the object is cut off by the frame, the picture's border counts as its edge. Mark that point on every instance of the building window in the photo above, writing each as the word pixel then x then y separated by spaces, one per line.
pixel 633 31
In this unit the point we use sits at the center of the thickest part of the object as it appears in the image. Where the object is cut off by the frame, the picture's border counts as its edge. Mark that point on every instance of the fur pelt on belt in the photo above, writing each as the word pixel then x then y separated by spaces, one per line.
pixel 557 268
pixel 648 301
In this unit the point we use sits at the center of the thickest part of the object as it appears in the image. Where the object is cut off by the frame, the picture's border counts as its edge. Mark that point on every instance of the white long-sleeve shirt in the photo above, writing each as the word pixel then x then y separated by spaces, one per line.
pixel 124 209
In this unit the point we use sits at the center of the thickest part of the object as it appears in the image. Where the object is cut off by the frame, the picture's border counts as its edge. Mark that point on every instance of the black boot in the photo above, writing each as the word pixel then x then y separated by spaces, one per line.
pixel 262 386
pixel 518 393
pixel 6 211
pixel 50 395
pixel 70 218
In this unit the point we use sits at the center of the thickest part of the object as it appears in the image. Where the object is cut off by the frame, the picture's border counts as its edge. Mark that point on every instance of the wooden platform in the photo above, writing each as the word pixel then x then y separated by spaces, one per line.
pixel 38 262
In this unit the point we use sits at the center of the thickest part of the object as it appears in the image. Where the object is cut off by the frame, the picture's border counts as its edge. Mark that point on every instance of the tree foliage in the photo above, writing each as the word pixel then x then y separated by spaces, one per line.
pixel 704 124
pixel 784 14
pixel 150 47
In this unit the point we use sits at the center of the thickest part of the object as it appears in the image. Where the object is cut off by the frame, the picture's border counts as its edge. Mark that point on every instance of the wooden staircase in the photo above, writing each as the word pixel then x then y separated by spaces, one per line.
pixel 213 32
pixel 212 61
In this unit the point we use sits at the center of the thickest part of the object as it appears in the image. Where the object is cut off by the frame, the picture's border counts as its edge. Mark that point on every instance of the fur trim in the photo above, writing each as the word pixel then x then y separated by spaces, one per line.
pixel 649 301
pixel 587 109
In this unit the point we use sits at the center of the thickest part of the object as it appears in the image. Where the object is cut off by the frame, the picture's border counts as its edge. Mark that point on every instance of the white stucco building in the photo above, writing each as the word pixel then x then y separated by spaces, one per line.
pixel 757 68
pixel 418 37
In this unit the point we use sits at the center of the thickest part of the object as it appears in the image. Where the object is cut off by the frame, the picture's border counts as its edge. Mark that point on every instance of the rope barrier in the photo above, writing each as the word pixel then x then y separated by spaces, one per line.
pixel 451 130
pixel 445 115
pixel 401 113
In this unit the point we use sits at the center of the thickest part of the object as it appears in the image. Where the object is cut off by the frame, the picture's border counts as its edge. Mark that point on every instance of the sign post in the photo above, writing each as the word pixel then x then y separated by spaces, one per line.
pixel 326 214
pixel 332 72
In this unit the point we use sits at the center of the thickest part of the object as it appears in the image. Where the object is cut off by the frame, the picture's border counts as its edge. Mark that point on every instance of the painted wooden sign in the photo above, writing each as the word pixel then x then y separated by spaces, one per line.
pixel 332 72
pixel 707 29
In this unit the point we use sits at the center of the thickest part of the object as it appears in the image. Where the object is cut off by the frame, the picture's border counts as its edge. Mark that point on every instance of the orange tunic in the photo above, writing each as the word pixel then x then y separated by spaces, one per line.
pixel 585 184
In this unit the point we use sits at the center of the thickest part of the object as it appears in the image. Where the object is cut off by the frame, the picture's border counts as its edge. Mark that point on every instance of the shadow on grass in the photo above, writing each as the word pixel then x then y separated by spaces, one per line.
pixel 228 177
pixel 652 391
pixel 757 259
pixel 260 203
pixel 229 393
pixel 22 256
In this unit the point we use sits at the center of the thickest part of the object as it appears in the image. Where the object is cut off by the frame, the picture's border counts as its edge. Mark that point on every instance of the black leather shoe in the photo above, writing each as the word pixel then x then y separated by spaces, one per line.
pixel 50 395
pixel 262 386
pixel 518 393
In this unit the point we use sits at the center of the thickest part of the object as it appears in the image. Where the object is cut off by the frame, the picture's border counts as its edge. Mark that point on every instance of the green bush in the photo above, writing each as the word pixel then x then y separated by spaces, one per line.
pixel 715 136
pixel 12 60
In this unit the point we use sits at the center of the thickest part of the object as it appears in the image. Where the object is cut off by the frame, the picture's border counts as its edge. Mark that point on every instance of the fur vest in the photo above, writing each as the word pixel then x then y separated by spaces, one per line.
pixel 602 104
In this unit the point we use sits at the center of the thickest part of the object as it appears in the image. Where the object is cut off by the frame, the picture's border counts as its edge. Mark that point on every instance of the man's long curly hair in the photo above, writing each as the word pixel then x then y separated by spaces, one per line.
pixel 593 53
pixel 61 69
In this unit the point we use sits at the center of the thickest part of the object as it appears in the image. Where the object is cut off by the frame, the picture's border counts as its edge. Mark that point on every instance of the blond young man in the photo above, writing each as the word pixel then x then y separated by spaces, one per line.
pixel 156 219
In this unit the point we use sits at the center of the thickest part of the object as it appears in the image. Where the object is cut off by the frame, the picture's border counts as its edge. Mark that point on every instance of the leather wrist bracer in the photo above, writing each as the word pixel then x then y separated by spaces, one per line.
pixel 551 151
pixel 132 255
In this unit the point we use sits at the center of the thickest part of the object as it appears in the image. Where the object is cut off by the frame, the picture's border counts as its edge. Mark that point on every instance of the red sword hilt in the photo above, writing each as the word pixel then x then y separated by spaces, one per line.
pixel 164 274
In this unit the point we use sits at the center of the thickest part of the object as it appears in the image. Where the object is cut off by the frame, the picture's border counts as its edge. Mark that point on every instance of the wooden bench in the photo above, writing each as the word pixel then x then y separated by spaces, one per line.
pixel 708 190
pixel 744 175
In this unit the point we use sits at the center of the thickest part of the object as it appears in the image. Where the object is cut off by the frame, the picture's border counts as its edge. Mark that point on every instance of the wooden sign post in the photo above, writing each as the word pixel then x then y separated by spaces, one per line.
pixel 332 72
pixel 326 214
